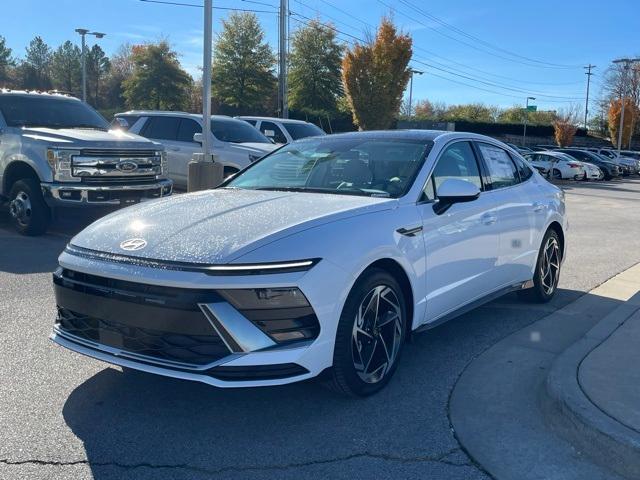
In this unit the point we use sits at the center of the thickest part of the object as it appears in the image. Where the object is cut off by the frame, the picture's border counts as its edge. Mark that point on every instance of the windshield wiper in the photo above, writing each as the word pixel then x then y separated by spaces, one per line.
pixel 332 191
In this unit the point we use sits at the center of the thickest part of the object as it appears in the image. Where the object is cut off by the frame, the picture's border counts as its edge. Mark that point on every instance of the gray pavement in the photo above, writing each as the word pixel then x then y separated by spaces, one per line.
pixel 65 416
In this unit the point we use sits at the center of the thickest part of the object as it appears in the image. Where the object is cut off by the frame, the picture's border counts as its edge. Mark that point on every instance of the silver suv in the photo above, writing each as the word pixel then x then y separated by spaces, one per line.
pixel 58 151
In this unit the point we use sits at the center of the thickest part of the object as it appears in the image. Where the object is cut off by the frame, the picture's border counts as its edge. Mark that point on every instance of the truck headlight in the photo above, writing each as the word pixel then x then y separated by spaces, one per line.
pixel 60 162
pixel 163 161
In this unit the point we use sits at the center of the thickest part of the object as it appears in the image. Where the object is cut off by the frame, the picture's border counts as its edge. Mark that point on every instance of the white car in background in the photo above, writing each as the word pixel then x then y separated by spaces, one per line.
pixel 234 142
pixel 593 171
pixel 322 257
pixel 557 165
pixel 283 130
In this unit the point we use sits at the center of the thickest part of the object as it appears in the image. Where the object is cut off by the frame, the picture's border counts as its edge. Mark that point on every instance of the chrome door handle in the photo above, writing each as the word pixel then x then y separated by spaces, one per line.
pixel 489 218
pixel 409 232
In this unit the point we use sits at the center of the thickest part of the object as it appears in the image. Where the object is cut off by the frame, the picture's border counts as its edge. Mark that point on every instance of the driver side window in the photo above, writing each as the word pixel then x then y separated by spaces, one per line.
pixel 456 161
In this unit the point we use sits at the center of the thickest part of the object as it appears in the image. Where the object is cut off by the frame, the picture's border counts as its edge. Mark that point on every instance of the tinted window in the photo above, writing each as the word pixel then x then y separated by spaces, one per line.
pixel 303 130
pixel 502 170
pixel 188 128
pixel 236 131
pixel 349 166
pixel 124 122
pixel 252 122
pixel 162 128
pixel 457 161
pixel 50 112
pixel 271 130
pixel 523 169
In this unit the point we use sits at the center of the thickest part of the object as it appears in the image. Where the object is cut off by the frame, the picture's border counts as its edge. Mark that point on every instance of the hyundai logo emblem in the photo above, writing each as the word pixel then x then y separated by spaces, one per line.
pixel 127 166
pixel 133 244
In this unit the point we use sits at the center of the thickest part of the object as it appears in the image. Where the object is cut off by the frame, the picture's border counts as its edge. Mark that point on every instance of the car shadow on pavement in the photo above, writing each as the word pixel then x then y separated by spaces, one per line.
pixel 130 421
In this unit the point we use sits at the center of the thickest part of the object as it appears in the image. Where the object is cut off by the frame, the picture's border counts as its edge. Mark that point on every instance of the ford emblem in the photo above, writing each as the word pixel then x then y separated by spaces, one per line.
pixel 127 166
pixel 133 244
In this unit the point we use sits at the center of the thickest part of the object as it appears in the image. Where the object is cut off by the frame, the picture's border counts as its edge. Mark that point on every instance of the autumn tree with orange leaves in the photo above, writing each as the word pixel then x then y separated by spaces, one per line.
pixel 375 76
pixel 630 118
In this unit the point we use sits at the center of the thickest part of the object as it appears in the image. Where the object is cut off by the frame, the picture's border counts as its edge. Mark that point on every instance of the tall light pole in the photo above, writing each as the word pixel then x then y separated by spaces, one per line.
pixel 586 105
pixel 206 78
pixel 417 72
pixel 626 65
pixel 526 119
pixel 283 47
pixel 83 55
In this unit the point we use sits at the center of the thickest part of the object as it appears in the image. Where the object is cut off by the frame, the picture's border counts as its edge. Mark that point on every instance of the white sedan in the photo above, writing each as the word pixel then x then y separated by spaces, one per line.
pixel 557 165
pixel 321 258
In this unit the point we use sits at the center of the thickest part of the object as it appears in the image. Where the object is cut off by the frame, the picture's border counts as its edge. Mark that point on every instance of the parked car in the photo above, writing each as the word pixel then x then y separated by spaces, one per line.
pixel 234 142
pixel 593 172
pixel 610 169
pixel 520 150
pixel 58 151
pixel 322 257
pixel 557 165
pixel 281 130
pixel 630 166
pixel 540 148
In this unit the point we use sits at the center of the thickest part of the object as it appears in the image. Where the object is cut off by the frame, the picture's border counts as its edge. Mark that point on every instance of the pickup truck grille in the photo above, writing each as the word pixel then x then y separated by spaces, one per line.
pixel 122 165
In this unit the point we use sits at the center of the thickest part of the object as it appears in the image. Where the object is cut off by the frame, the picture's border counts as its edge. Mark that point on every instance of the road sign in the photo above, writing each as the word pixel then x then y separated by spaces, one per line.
pixel 532 108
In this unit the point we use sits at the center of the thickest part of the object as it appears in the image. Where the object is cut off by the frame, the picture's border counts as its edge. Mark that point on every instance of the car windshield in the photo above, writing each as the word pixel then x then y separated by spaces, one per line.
pixel 50 112
pixel 350 166
pixel 303 130
pixel 236 131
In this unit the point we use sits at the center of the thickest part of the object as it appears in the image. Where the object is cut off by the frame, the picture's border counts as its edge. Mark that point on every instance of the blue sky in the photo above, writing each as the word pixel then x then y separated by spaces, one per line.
pixel 521 39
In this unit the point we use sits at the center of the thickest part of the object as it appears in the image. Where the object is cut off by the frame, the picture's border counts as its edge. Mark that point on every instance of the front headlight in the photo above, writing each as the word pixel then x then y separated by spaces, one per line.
pixel 163 161
pixel 60 162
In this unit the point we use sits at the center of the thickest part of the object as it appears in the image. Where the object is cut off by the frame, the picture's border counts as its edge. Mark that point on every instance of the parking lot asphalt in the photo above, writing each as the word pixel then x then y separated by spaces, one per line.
pixel 65 416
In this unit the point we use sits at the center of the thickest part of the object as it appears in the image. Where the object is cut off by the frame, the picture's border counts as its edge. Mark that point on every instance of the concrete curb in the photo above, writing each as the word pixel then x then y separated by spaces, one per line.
pixel 570 413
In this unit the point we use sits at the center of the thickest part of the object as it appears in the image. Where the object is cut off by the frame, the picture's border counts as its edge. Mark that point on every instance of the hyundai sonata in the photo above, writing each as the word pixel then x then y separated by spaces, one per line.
pixel 324 257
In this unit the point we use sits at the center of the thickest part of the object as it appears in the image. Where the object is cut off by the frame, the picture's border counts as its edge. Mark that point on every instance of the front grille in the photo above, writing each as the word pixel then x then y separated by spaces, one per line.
pixel 172 347
pixel 106 152
pixel 124 180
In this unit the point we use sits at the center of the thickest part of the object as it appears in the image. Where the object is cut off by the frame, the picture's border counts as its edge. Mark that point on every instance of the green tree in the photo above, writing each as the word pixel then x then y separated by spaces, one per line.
pixel 121 68
pixel 98 66
pixel 66 68
pixel 375 76
pixel 243 66
pixel 516 115
pixel 315 82
pixel 36 67
pixel 6 62
pixel 157 80
pixel 472 112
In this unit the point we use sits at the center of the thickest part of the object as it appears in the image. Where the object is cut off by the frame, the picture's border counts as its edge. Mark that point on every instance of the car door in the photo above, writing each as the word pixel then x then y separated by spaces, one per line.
pixel 462 243
pixel 184 148
pixel 164 129
pixel 515 206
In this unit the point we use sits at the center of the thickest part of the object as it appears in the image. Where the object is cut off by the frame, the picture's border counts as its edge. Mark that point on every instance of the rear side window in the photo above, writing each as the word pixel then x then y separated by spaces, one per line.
pixel 523 169
pixel 188 128
pixel 161 128
pixel 271 130
pixel 252 122
pixel 502 170
pixel 124 122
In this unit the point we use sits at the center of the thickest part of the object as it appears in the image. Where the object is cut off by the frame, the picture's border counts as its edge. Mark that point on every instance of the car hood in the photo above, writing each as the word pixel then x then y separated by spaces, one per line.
pixel 83 137
pixel 254 147
pixel 218 226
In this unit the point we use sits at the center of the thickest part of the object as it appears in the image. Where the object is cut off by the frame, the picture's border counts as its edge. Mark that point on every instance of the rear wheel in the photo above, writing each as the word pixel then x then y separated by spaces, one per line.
pixel 556 174
pixel 547 272
pixel 29 212
pixel 370 335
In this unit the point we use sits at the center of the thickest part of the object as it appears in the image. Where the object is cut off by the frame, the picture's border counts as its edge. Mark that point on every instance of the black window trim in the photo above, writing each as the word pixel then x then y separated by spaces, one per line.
pixel 481 169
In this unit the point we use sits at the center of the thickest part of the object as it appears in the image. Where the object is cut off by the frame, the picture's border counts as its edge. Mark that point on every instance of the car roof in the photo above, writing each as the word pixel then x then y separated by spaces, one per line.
pixel 420 135
pixel 167 113
pixel 271 119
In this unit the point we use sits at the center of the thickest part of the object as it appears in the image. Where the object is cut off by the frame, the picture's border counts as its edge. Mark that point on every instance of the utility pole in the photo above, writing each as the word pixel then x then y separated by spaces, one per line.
pixel 412 71
pixel 206 79
pixel 283 50
pixel 83 56
pixel 626 65
pixel 586 105
pixel 526 119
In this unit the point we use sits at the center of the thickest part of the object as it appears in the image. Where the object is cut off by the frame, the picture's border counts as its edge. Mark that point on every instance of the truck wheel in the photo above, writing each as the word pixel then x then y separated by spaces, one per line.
pixel 29 212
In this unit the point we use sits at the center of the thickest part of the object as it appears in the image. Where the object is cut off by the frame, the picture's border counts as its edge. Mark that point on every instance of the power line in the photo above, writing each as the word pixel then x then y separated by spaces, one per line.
pixel 183 4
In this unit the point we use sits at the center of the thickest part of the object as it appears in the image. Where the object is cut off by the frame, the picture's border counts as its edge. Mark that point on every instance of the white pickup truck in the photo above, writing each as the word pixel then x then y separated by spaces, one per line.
pixel 58 151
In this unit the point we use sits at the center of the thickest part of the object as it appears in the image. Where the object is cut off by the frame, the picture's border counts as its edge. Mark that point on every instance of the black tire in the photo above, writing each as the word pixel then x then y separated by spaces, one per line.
pixel 540 293
pixel 607 175
pixel 344 376
pixel 556 175
pixel 29 212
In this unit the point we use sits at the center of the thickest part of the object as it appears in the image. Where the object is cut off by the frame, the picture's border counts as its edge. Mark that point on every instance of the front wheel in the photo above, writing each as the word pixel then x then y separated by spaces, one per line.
pixel 370 335
pixel 556 174
pixel 547 272
pixel 29 212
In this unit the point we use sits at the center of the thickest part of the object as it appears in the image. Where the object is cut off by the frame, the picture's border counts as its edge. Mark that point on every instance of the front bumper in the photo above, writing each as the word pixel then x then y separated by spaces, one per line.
pixel 258 365
pixel 71 194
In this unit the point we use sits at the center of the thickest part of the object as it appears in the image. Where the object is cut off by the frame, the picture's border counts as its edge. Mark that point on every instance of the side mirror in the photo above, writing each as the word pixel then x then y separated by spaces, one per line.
pixel 454 190
pixel 197 137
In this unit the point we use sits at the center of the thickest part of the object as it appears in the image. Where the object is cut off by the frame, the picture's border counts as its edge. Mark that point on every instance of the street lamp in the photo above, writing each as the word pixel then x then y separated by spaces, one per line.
pixel 83 32
pixel 626 64
pixel 526 118
pixel 417 72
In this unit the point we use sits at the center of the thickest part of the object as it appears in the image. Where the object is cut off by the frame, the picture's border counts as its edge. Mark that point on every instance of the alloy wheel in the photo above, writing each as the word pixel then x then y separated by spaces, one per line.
pixel 20 208
pixel 377 334
pixel 550 266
